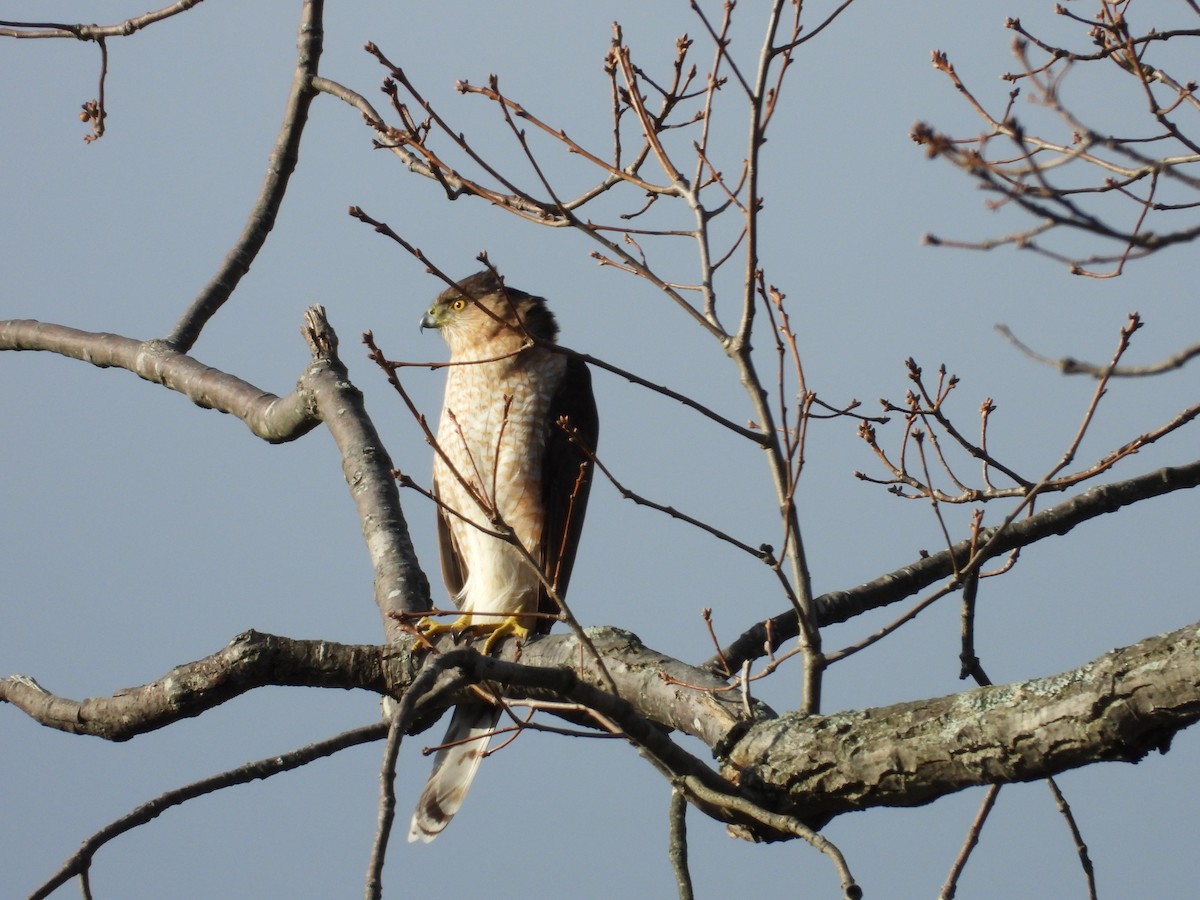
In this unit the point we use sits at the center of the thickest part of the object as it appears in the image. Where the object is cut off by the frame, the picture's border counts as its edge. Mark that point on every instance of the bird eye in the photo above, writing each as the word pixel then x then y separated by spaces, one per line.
pixel 458 304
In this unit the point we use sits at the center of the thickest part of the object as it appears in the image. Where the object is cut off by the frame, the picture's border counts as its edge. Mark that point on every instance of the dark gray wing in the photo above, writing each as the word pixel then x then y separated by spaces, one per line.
pixel 454 570
pixel 566 477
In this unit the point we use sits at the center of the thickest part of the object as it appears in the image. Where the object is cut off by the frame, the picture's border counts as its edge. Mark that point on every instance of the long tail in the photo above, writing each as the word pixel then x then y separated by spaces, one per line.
pixel 454 769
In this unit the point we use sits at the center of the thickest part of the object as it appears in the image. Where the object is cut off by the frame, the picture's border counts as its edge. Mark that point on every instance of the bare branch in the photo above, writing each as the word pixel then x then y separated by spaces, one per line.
pixel 1120 706
pixel 950 888
pixel 783 824
pixel 400 584
pixel 1085 861
pixel 251 660
pixel 1070 366
pixel 93 32
pixel 81 860
pixel 274 419
pixel 677 847
pixel 841 606
pixel 280 166
pixel 1098 170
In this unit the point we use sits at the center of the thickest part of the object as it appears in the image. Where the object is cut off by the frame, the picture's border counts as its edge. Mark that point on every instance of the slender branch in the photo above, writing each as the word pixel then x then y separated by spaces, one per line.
pixel 1070 366
pixel 776 822
pixel 677 846
pixel 739 349
pixel 841 606
pixel 1085 861
pixel 400 720
pixel 950 888
pixel 492 92
pixel 80 861
pixel 93 32
pixel 880 634
pixel 280 166
pixel 760 552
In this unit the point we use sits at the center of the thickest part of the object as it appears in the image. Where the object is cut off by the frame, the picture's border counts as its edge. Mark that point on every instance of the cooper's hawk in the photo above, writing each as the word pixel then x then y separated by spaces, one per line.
pixel 504 461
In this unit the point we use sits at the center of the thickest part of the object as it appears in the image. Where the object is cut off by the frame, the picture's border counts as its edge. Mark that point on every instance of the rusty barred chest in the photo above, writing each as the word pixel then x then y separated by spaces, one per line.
pixel 493 436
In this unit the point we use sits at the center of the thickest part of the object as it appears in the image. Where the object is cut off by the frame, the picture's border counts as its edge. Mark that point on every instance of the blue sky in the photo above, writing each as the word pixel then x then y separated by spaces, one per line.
pixel 139 532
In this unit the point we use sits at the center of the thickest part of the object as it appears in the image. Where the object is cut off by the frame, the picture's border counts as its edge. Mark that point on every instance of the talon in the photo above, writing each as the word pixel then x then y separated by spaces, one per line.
pixel 501 629
pixel 495 630
pixel 430 627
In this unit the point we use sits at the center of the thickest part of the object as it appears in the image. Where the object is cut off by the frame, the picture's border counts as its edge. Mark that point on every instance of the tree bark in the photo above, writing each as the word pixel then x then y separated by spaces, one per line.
pixel 1118 707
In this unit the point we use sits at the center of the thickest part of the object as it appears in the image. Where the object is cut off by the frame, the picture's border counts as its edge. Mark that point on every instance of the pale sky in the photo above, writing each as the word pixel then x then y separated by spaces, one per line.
pixel 139 532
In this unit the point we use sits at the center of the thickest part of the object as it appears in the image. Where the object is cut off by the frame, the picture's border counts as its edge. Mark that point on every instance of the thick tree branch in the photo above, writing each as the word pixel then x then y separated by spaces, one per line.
pixel 705 709
pixel 1118 707
pixel 274 419
pixel 249 661
pixel 401 585
pixel 324 393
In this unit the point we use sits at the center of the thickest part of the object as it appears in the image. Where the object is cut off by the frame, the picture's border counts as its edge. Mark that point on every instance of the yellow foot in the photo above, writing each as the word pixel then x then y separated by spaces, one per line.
pixel 430 627
pixel 502 628
pixel 496 629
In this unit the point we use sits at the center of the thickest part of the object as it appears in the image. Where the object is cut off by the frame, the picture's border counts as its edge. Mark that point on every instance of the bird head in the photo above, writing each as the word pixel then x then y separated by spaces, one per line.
pixel 482 308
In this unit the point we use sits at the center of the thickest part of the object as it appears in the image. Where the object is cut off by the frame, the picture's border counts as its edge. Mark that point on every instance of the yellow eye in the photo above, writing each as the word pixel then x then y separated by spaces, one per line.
pixel 458 304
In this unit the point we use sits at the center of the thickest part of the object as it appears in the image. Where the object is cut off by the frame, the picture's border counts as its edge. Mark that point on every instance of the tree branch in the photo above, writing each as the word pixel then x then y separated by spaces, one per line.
pixel 789 769
pixel 93 32
pixel 325 393
pixel 401 586
pixel 841 606
pixel 1118 707
pixel 81 859
pixel 280 166
pixel 274 419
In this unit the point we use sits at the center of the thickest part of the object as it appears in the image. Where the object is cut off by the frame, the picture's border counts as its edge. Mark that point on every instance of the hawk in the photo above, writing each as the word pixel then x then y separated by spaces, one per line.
pixel 505 461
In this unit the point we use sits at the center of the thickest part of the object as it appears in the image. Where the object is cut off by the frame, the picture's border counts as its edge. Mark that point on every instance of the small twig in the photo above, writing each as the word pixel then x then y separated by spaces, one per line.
pixel 778 822
pixel 950 888
pixel 1085 860
pixel 94 111
pixel 919 439
pixel 1070 366
pixel 971 667
pixel 883 632
pixel 707 614
pixel 608 728
pixel 511 107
